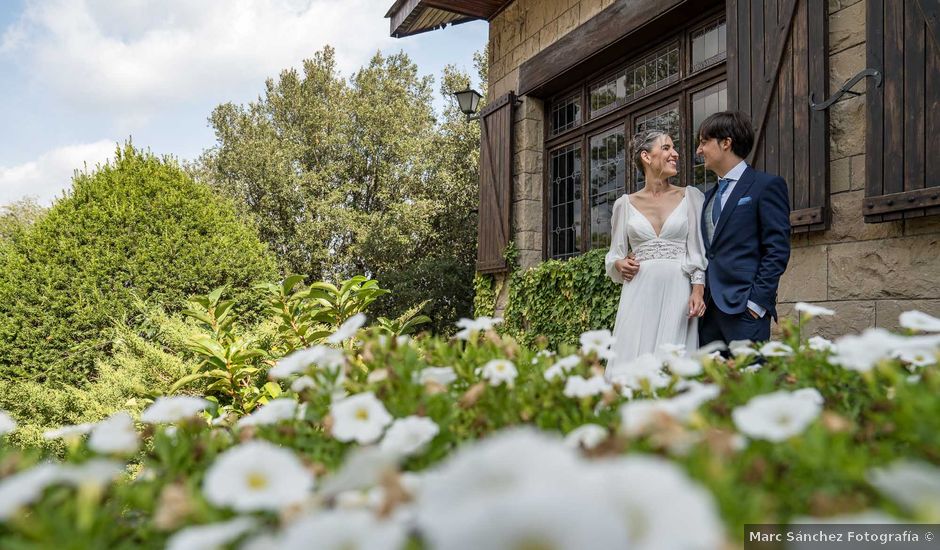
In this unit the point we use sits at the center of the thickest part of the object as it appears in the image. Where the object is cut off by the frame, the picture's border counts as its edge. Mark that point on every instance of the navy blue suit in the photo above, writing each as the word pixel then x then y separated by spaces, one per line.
pixel 747 255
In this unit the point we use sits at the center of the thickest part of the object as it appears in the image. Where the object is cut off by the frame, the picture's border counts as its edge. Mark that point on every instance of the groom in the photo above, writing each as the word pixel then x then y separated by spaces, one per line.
pixel 746 228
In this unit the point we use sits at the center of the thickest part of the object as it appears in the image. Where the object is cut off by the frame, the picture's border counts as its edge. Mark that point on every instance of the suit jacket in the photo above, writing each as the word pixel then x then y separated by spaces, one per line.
pixel 751 244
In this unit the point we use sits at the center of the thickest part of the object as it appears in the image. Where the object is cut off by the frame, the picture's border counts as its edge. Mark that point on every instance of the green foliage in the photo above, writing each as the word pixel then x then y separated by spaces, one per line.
pixel 559 300
pixel 869 420
pixel 484 295
pixel 137 227
pixel 358 176
pixel 18 216
pixel 145 362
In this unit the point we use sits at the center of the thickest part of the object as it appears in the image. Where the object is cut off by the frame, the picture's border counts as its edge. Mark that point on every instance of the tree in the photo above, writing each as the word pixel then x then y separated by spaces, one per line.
pixel 358 177
pixel 139 227
pixel 18 216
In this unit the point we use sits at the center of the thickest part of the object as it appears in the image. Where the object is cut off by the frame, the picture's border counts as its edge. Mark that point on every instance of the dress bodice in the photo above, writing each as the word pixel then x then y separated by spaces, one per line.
pixel 670 244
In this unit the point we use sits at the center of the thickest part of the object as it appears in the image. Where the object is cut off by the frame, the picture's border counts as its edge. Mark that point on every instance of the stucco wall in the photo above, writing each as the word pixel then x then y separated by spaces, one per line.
pixel 868 273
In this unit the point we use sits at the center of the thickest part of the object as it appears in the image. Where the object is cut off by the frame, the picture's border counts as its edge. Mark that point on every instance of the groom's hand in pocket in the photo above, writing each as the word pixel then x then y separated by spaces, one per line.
pixel 629 267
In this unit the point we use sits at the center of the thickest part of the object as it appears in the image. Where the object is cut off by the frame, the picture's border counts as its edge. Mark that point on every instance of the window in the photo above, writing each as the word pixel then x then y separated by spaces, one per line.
pixel 672 86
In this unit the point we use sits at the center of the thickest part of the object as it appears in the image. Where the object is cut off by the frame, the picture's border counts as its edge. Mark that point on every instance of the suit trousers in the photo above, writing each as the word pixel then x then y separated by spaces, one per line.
pixel 727 327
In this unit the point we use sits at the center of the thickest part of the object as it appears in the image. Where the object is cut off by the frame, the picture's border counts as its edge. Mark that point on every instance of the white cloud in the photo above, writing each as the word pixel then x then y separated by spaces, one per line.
pixel 136 58
pixel 51 173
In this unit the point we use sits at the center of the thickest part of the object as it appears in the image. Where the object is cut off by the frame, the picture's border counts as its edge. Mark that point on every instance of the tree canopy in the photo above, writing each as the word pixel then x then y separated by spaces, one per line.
pixel 357 176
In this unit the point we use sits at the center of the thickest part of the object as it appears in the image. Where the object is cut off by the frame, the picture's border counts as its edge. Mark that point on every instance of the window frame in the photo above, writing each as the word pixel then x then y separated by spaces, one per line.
pixel 624 115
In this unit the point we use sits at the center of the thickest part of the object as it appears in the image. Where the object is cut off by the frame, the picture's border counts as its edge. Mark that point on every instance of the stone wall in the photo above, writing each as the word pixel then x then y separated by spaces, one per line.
pixel 868 273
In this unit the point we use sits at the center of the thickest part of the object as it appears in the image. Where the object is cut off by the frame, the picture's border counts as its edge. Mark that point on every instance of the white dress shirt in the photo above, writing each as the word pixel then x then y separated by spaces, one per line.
pixel 733 176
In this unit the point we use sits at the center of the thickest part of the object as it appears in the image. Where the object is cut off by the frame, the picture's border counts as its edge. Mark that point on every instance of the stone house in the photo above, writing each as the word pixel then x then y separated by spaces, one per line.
pixel 571 80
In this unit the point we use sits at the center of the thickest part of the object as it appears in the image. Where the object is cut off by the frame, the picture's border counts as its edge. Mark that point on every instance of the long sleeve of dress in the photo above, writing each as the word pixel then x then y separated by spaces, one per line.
pixel 618 238
pixel 695 263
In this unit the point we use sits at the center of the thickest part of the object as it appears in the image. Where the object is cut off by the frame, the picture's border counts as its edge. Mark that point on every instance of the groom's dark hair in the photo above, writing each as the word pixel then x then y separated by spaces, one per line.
pixel 730 124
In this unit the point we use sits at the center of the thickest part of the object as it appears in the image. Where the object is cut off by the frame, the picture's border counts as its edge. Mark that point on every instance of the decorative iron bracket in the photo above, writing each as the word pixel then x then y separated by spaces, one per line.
pixel 845 89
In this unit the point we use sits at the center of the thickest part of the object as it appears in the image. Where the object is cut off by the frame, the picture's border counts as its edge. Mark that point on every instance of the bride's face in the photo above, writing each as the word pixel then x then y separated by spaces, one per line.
pixel 663 159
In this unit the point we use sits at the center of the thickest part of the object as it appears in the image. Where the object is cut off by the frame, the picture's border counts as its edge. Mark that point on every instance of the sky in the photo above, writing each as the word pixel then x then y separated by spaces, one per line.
pixel 78 77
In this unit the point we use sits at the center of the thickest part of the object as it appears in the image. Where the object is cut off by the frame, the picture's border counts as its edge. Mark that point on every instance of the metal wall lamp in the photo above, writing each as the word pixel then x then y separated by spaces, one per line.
pixel 469 101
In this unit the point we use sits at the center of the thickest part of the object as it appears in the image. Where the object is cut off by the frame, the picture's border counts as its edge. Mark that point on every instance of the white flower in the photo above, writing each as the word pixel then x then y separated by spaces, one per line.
pixel 257 475
pixel 555 516
pixel 917 320
pixel 211 536
pixel 587 436
pixel 348 329
pixel 818 343
pixel 362 468
pixel 913 485
pixel 684 366
pixel 917 358
pixel 742 351
pixel 777 416
pixel 597 341
pixel 653 497
pixel 409 435
pixel 324 357
pixel 173 409
pixel 636 417
pixel 863 352
pixel 751 369
pixel 578 386
pixel 495 467
pixel 302 383
pixel 67 432
pixel 499 371
pixel 671 350
pixel 542 353
pixel 810 393
pixel 776 349
pixel 361 418
pixel 95 472
pixel 645 369
pixel 342 530
pixel 7 424
pixel 273 412
pixel 561 367
pixel 23 488
pixel 440 375
pixel 114 435
pixel 811 310
pixel 469 327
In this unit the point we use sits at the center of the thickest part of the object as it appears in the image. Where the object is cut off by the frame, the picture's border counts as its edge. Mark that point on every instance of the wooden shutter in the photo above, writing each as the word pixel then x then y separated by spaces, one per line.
pixel 902 167
pixel 777 57
pixel 495 184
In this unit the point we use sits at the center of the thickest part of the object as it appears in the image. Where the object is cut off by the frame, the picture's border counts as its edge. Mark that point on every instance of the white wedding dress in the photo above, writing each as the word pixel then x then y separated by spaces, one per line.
pixel 654 306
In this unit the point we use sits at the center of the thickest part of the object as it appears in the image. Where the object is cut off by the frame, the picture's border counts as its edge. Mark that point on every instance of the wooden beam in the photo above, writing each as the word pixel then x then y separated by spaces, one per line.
pixel 606 37
pixel 907 200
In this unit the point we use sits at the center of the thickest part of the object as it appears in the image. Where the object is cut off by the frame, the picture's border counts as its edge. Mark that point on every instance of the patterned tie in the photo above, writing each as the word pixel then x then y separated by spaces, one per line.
pixel 716 205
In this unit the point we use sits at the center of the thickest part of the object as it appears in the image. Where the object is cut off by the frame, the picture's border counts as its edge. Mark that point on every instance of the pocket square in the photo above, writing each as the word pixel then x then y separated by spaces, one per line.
pixel 744 200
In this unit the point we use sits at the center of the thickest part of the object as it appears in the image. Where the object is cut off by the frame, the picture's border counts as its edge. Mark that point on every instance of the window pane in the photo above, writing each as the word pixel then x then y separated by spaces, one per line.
pixel 566 114
pixel 709 45
pixel 638 79
pixel 564 222
pixel 607 182
pixel 708 101
pixel 666 119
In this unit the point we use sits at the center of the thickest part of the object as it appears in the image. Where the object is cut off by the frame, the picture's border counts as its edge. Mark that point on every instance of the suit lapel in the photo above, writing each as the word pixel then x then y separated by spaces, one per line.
pixel 740 188
pixel 707 212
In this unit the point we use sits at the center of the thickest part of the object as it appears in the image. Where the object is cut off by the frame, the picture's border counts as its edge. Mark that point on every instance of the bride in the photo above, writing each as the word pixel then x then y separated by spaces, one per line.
pixel 664 282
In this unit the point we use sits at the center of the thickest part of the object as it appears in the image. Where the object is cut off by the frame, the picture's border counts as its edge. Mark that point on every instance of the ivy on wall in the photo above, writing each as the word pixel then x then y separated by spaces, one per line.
pixel 557 300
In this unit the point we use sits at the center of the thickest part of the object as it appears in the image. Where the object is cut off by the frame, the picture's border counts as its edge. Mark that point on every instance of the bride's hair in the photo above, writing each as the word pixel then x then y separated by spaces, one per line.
pixel 644 141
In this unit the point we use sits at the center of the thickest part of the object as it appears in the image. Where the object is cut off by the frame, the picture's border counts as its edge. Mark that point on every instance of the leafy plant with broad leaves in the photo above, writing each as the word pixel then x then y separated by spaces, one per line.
pixel 230 362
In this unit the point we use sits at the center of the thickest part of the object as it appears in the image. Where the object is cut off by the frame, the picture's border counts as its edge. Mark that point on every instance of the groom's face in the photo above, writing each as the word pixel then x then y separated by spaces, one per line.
pixel 713 151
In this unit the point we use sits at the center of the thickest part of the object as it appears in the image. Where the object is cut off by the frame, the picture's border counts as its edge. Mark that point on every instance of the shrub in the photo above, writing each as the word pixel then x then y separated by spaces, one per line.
pixel 137 227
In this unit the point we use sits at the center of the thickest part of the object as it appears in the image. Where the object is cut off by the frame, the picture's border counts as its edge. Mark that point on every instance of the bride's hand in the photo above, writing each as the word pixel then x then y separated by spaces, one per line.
pixel 627 267
pixel 697 301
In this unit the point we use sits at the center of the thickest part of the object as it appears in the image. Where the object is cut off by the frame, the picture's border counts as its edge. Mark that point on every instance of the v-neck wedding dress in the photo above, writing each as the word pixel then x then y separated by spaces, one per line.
pixel 654 306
